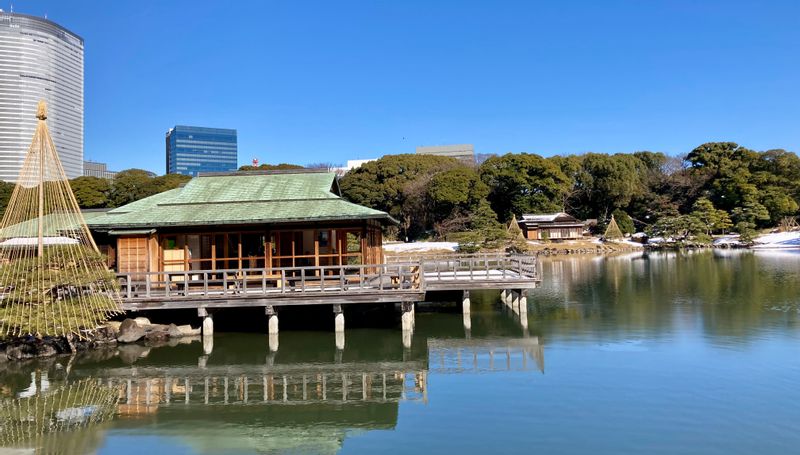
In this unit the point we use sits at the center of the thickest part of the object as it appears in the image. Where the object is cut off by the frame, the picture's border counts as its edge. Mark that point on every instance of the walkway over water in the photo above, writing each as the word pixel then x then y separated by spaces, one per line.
pixel 396 281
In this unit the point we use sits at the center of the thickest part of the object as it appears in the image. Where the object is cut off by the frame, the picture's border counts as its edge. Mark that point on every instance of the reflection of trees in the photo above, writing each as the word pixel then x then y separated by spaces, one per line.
pixel 58 421
pixel 732 292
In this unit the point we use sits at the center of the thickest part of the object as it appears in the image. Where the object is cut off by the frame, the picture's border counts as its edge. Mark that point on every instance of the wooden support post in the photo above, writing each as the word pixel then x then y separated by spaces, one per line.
pixel 407 316
pixel 268 255
pixel 272 328
pixel 465 305
pixel 207 329
pixel 338 328
pixel 316 252
pixel 523 308
pixel 272 320
pixel 338 321
pixel 239 251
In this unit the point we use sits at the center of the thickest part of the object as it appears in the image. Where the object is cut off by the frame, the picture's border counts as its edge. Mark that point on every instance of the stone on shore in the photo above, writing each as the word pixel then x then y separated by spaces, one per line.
pixel 156 335
pixel 188 331
pixel 154 328
pixel 27 351
pixel 130 331
pixel 174 332
pixel 142 321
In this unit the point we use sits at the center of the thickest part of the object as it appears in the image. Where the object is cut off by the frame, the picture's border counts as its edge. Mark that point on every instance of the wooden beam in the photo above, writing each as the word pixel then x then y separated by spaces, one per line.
pixel 239 249
pixel 316 249
pixel 225 250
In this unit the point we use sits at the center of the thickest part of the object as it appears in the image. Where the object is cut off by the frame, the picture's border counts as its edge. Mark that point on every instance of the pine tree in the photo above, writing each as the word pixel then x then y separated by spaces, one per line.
pixel 54 279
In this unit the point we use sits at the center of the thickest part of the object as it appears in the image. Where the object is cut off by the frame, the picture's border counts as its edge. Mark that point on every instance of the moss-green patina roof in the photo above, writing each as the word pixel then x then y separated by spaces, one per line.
pixel 53 225
pixel 247 198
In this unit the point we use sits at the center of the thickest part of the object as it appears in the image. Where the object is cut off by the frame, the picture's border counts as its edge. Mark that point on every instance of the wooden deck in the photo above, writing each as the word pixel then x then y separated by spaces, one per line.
pixel 395 281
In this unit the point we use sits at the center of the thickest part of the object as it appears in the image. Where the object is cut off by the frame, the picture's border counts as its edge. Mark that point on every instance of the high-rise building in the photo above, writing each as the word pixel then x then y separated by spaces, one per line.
pixel 463 152
pixel 95 169
pixel 39 59
pixel 194 149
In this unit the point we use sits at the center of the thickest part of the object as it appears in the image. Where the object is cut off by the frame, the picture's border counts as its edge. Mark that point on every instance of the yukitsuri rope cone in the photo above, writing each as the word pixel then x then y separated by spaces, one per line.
pixel 612 231
pixel 53 280
pixel 58 420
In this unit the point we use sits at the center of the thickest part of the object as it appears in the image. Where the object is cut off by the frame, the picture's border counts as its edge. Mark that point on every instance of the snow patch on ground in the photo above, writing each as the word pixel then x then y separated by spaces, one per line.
pixel 728 240
pixel 629 243
pixel 419 246
pixel 778 240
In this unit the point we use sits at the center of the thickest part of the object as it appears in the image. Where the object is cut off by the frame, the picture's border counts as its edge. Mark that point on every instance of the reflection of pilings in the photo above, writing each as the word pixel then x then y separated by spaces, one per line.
pixel 523 309
pixel 485 355
pixel 144 395
pixel 272 341
pixel 407 322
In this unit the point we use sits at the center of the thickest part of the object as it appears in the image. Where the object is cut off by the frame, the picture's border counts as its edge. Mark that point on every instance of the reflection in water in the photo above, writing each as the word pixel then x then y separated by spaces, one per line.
pixel 640 349
pixel 64 419
pixel 226 399
pixel 731 293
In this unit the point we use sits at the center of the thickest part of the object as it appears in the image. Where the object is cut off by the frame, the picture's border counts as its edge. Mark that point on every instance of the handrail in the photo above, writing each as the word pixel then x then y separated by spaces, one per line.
pixel 409 275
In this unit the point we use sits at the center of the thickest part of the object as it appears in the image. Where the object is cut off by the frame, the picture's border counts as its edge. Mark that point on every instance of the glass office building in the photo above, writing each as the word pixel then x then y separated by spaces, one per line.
pixel 39 60
pixel 194 149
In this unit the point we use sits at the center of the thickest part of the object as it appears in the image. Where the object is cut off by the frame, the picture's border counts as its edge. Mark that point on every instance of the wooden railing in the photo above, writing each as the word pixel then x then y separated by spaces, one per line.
pixel 342 279
pixel 474 266
pixel 434 273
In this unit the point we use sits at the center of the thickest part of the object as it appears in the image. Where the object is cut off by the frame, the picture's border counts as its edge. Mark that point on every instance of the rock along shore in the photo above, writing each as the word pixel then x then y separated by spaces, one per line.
pixel 114 332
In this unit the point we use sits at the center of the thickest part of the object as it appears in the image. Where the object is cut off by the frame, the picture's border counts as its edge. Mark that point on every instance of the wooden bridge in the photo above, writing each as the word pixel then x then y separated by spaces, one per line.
pixel 398 280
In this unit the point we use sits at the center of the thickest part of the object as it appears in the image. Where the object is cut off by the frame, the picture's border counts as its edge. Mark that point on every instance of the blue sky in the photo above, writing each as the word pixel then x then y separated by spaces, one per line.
pixel 329 81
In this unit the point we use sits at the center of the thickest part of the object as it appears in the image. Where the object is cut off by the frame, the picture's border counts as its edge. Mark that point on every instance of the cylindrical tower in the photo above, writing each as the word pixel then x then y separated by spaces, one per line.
pixel 39 59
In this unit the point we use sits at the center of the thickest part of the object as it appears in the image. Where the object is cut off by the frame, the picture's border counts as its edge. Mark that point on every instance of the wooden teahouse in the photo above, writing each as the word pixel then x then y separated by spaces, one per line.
pixel 551 226
pixel 239 221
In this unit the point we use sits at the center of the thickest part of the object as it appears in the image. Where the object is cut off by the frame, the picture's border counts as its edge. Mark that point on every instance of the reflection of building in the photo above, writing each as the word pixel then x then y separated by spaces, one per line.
pixel 231 400
pixel 551 226
pixel 485 355
pixel 462 152
pixel 39 59
pixel 194 149
pixel 95 169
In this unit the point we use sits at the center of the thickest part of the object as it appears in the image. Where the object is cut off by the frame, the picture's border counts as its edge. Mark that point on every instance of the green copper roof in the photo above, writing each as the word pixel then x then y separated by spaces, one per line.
pixel 240 199
pixel 53 224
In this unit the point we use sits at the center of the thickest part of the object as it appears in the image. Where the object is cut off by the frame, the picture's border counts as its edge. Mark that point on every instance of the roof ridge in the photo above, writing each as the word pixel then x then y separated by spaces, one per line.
pixel 250 201
pixel 265 172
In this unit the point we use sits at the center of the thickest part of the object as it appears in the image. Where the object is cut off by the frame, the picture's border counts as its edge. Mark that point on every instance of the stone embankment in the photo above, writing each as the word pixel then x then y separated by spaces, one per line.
pixel 582 247
pixel 114 332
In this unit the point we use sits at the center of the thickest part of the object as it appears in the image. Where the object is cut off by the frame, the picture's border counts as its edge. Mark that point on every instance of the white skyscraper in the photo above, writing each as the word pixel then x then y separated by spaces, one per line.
pixel 39 59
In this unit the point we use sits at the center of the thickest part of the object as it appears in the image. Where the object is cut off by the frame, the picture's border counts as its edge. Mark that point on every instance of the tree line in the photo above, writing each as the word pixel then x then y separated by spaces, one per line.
pixel 718 187
pixel 126 186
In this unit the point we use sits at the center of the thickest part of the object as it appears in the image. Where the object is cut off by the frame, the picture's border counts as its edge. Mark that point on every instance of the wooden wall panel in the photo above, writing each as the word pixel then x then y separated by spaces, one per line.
pixel 132 254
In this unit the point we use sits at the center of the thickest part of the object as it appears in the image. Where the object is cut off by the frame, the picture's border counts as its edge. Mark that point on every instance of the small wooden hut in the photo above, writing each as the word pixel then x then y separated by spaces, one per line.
pixel 551 226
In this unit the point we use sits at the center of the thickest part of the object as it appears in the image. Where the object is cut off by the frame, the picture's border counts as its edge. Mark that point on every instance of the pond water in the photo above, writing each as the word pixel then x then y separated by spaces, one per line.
pixel 660 353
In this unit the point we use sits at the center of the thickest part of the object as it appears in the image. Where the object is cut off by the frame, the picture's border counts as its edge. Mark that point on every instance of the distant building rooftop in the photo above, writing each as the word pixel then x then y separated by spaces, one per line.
pixel 463 152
